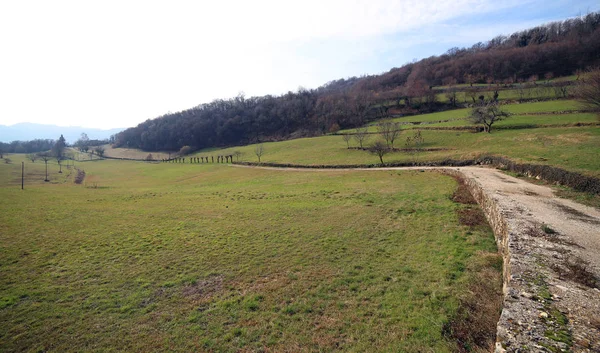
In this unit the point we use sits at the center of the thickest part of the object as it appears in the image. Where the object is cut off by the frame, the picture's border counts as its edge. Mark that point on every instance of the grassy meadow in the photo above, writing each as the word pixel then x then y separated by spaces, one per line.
pixel 537 133
pixel 173 257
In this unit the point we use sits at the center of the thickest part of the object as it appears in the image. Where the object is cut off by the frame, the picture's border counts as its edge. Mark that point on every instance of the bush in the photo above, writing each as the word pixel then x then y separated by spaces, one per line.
pixel 185 150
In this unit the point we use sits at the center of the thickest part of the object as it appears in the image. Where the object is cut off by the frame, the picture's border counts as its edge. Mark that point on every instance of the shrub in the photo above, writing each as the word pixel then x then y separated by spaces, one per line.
pixel 185 150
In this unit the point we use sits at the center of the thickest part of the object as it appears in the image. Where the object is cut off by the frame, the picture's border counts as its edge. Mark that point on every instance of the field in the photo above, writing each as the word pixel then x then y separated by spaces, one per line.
pixel 537 133
pixel 208 257
pixel 172 257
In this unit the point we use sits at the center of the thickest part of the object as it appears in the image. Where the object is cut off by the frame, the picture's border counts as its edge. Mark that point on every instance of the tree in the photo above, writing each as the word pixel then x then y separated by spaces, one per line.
pixel 237 155
pixel 389 131
pixel 487 114
pixel 59 161
pixel 32 157
pixel 83 142
pixel 587 90
pixel 451 95
pixel 380 149
pixel 347 138
pixel 418 140
pixel 45 156
pixel 59 148
pixel 361 135
pixel 99 151
pixel 259 151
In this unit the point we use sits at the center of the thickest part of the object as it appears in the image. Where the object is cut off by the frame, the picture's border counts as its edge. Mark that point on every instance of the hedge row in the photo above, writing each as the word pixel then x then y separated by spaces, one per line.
pixel 548 173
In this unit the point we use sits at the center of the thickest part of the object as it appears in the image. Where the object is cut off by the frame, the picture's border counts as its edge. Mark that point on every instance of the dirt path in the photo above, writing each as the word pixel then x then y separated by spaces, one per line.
pixel 551 248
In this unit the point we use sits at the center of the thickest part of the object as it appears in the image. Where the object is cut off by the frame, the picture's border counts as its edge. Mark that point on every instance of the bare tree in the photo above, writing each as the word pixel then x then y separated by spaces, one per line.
pixel 259 151
pixel 418 140
pixel 59 161
pixel 32 157
pixel 237 155
pixel 361 135
pixel 347 138
pixel 389 131
pixel 587 90
pixel 472 93
pixel 380 149
pixel 45 156
pixel 451 95
pixel 487 114
pixel 83 142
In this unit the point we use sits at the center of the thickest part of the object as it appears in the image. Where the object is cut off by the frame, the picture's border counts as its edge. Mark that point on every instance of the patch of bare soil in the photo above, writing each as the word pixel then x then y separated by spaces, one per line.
pixel 204 288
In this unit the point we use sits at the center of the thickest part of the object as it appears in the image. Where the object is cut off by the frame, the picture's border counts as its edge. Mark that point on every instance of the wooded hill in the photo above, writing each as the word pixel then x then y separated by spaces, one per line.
pixel 505 62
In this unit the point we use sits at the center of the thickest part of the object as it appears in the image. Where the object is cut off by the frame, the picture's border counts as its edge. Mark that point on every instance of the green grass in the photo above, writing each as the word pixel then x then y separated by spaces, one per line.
pixel 171 257
pixel 573 148
pixel 541 107
pixel 529 120
pixel 457 116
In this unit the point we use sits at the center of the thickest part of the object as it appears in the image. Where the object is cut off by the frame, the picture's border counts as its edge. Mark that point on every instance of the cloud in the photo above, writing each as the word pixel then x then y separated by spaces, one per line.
pixel 114 63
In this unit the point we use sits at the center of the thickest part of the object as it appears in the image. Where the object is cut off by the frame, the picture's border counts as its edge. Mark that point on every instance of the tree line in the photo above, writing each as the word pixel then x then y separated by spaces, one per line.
pixel 555 49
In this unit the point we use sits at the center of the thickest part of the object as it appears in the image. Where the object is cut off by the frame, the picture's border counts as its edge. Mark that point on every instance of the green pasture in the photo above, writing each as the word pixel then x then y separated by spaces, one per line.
pixel 543 107
pixel 572 148
pixel 538 92
pixel 528 120
pixel 552 106
pixel 177 257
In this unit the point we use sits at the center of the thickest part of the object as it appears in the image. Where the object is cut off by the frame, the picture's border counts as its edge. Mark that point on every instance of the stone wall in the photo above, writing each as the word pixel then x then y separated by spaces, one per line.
pixel 522 326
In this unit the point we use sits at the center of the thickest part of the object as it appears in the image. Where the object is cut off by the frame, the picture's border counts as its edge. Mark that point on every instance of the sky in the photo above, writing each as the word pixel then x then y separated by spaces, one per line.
pixel 110 64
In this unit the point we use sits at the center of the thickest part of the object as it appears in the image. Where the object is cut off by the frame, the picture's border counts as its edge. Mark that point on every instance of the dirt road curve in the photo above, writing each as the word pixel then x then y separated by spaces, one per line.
pixel 551 249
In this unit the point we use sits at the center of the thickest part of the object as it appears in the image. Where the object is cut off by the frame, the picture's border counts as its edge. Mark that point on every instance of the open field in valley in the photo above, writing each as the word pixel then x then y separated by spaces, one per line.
pixel 173 257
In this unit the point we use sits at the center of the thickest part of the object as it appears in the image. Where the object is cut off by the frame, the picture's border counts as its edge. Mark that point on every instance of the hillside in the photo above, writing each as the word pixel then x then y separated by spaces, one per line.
pixel 506 64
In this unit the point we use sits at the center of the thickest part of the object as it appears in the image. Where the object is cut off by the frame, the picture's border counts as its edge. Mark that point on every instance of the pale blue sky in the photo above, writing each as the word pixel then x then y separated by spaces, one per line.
pixel 117 63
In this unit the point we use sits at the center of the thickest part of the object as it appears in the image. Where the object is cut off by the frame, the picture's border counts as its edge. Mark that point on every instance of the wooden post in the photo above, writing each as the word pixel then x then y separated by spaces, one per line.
pixel 22 175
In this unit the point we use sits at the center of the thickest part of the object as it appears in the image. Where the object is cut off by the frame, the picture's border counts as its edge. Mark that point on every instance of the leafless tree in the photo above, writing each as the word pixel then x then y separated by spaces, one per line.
pixel 347 138
pixel 45 156
pixel 59 161
pixel 259 151
pixel 587 90
pixel 361 136
pixel 237 155
pixel 389 130
pixel 380 149
pixel 487 114
pixel 451 95
pixel 418 140
pixel 32 157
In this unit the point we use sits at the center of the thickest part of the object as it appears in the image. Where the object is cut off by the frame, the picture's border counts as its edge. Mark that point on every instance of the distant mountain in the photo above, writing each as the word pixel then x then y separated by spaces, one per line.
pixel 31 131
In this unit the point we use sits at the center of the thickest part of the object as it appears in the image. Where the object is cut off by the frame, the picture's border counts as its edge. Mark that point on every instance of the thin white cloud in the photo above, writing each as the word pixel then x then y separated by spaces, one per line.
pixel 116 63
